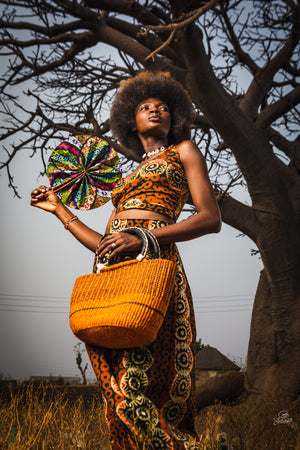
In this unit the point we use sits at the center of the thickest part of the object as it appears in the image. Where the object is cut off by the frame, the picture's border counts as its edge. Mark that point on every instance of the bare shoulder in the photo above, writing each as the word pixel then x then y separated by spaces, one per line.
pixel 190 153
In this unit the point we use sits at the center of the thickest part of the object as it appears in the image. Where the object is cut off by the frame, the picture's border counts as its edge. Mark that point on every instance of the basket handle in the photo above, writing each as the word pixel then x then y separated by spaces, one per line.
pixel 147 238
pixel 153 242
pixel 142 234
pixel 151 239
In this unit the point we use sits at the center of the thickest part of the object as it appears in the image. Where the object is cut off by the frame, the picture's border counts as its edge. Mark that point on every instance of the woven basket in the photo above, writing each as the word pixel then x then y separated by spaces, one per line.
pixel 124 305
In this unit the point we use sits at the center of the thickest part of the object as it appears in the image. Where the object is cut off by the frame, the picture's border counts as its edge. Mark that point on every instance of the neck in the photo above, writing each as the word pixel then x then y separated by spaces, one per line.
pixel 151 142
pixel 155 151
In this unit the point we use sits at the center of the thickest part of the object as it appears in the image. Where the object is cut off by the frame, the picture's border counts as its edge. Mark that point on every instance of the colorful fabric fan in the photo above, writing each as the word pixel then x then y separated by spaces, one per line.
pixel 83 170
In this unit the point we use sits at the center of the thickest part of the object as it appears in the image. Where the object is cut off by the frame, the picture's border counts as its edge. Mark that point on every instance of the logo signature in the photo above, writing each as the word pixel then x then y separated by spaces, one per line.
pixel 283 417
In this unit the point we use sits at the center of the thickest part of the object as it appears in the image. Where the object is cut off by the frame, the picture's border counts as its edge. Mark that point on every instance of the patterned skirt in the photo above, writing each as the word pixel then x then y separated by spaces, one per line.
pixel 148 392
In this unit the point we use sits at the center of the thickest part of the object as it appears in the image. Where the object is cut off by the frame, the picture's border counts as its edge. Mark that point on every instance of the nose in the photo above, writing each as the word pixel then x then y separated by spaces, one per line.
pixel 154 109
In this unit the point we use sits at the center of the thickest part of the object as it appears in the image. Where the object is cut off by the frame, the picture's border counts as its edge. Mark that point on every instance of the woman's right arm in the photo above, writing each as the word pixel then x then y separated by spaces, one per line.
pixel 47 200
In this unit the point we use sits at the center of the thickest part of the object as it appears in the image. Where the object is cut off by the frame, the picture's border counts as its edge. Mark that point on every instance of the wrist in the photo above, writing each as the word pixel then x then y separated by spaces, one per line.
pixel 62 213
pixel 59 208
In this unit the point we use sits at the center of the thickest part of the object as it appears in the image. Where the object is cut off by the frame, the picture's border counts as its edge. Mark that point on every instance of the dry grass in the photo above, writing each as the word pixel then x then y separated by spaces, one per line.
pixel 33 419
pixel 251 425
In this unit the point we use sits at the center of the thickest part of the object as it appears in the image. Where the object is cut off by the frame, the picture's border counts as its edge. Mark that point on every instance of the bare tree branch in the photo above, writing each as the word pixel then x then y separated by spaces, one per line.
pixel 238 215
pixel 263 79
pixel 240 54
pixel 60 53
pixel 290 148
pixel 127 7
pixel 277 109
pixel 174 27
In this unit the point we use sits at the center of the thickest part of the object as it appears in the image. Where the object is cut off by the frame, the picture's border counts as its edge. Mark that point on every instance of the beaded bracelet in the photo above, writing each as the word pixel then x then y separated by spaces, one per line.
pixel 69 221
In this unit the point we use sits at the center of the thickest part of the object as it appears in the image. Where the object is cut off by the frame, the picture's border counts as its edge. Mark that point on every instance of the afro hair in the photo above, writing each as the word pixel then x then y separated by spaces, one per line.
pixel 134 91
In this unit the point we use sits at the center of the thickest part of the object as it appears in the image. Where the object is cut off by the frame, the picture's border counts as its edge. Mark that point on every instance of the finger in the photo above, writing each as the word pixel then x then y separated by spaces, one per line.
pixel 111 247
pixel 111 243
pixel 106 242
pixel 116 251
pixel 122 243
pixel 41 197
pixel 39 190
pixel 101 246
pixel 37 196
pixel 42 188
pixel 128 245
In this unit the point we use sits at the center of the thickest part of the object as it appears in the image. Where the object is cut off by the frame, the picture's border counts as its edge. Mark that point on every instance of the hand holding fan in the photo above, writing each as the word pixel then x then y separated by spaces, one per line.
pixel 83 170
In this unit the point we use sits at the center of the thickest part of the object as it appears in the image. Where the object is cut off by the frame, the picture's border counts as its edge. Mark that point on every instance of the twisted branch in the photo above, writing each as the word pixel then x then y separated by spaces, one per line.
pixel 174 27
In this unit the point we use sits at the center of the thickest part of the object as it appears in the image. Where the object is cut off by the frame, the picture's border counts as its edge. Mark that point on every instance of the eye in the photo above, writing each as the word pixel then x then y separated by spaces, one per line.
pixel 144 107
pixel 164 108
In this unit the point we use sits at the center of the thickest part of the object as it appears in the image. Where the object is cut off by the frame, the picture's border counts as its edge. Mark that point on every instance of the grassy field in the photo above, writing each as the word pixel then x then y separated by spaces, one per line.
pixel 39 418
pixel 43 418
pixel 256 425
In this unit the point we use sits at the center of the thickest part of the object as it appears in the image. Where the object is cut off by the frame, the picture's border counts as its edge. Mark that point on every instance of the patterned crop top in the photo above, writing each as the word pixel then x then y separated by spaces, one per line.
pixel 159 185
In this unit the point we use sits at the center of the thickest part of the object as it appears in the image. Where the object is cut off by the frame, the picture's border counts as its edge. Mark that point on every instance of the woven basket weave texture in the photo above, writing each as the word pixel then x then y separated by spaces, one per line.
pixel 124 305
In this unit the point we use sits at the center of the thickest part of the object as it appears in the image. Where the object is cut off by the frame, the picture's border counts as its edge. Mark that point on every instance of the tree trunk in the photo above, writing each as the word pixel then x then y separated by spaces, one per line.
pixel 273 367
pixel 273 363
pixel 274 348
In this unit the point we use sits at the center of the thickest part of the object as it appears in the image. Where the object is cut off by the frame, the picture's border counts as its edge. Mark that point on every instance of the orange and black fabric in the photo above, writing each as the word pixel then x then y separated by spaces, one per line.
pixel 148 392
pixel 159 185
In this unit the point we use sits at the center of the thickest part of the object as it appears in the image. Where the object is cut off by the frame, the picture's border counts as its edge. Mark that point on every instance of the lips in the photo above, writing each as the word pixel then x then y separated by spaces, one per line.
pixel 154 118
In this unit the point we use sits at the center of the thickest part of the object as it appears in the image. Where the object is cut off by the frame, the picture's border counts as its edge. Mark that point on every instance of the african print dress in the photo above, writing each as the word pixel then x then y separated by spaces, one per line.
pixel 148 392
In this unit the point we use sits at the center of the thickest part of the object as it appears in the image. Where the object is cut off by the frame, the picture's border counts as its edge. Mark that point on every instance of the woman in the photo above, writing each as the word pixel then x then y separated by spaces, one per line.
pixel 148 392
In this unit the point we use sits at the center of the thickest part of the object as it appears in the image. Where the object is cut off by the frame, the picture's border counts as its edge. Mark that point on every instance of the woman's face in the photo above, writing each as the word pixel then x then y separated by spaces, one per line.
pixel 153 117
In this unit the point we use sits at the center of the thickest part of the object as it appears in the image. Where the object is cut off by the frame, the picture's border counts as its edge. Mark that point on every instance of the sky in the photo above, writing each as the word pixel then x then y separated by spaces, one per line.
pixel 40 261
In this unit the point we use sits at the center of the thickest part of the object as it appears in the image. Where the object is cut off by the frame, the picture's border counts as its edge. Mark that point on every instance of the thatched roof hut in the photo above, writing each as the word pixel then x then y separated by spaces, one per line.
pixel 209 362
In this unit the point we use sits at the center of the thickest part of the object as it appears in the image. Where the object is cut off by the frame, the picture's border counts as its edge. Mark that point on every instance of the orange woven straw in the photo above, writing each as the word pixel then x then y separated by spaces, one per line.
pixel 124 305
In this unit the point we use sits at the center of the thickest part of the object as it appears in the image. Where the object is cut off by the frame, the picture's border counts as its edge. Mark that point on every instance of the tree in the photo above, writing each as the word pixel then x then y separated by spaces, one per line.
pixel 79 352
pixel 199 345
pixel 239 62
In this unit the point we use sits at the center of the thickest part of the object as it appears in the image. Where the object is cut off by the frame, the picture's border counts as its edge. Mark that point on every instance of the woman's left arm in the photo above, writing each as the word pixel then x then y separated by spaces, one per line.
pixel 208 217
